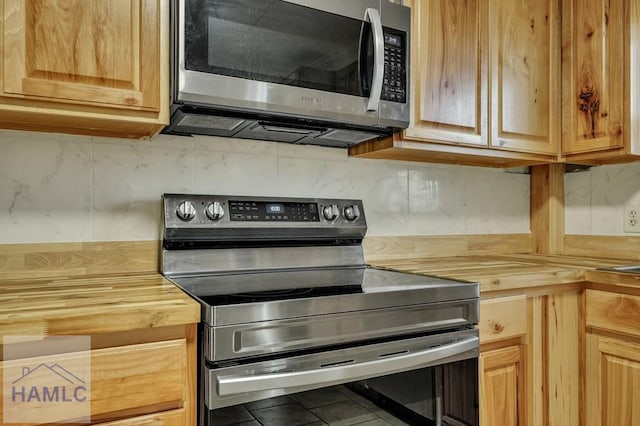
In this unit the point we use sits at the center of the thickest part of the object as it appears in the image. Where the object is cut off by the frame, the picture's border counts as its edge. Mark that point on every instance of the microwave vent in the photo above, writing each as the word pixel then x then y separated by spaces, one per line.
pixel 201 121
pixel 276 132
pixel 348 136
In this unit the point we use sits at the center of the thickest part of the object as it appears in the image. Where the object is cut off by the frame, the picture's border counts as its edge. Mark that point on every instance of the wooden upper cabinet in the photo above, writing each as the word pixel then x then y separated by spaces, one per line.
pixel 485 84
pixel 448 71
pixel 594 75
pixel 85 60
pixel 524 51
pixel 600 94
pixel 486 74
pixel 83 51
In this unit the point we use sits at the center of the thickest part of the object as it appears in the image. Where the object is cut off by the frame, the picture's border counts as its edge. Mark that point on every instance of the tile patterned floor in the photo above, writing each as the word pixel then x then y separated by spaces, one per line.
pixel 334 406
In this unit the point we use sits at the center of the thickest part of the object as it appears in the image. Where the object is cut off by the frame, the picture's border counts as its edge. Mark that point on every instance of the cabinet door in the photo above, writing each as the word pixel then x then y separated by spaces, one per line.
pixel 97 52
pixel 501 386
pixel 593 64
pixel 525 75
pixel 448 72
pixel 612 382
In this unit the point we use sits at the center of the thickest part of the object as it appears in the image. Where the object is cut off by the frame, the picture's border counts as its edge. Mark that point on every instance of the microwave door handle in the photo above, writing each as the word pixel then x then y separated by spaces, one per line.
pixel 373 16
pixel 233 385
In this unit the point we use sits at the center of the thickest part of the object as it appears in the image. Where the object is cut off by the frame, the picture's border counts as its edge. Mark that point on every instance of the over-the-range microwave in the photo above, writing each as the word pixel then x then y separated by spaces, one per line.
pixel 324 72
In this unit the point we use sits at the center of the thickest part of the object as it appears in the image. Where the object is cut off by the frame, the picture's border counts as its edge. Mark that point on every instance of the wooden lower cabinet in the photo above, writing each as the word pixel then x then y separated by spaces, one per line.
pixel 501 386
pixel 612 359
pixel 612 382
pixel 503 320
pixel 127 380
pixel 529 363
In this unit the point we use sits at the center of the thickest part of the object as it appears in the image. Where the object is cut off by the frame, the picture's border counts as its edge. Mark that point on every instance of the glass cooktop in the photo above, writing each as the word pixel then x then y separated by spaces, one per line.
pixel 239 288
pixel 263 296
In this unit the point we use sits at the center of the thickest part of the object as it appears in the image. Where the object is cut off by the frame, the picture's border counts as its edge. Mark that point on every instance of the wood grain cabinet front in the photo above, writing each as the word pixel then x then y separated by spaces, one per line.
pixel 502 386
pixel 530 343
pixel 484 84
pixel 169 418
pixel 612 359
pixel 137 384
pixel 599 73
pixel 85 66
pixel 503 328
pixel 608 311
pixel 502 318
pixel 612 382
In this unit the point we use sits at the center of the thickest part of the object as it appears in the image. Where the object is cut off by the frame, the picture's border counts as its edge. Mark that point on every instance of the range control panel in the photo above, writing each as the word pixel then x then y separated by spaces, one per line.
pixel 187 213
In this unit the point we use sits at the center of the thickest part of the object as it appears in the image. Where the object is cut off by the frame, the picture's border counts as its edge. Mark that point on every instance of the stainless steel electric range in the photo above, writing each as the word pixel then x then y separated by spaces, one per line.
pixel 297 329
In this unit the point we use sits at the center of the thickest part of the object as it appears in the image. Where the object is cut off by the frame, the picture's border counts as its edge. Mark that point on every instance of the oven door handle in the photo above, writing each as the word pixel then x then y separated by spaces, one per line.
pixel 333 374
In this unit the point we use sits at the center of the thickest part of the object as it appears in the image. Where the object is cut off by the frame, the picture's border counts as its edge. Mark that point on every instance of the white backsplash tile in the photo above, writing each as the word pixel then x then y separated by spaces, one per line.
pixel 239 146
pixel 595 199
pixel 384 190
pixel 577 199
pixel 434 196
pixel 303 177
pixel 494 200
pixel 45 188
pixel 128 180
pixel 74 188
pixel 234 174
pixel 311 151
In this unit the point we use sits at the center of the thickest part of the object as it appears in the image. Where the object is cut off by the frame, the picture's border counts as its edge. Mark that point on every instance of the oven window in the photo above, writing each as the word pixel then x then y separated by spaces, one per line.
pixel 279 42
pixel 441 395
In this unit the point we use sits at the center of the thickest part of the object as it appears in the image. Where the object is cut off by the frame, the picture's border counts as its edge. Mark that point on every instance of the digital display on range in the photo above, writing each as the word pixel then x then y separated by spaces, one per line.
pixel 275 208
pixel 260 211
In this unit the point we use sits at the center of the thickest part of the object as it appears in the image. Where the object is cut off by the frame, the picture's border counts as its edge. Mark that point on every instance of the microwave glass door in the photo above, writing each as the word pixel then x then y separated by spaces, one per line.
pixel 279 42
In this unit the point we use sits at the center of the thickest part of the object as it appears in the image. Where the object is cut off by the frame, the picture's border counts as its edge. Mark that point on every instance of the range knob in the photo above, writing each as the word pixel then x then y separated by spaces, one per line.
pixel 330 212
pixel 186 211
pixel 214 210
pixel 351 213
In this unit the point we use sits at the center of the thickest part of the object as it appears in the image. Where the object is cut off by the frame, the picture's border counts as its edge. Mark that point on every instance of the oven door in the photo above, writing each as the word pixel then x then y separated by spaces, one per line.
pixel 430 380
pixel 284 57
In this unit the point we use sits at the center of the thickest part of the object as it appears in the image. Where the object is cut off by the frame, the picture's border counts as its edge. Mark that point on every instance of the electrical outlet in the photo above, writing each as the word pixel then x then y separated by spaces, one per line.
pixel 632 219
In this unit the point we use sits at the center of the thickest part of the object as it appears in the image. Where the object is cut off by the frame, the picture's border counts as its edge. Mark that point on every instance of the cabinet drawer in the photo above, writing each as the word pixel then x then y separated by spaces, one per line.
pixel 169 418
pixel 135 376
pixel 612 311
pixel 502 318
pixel 134 379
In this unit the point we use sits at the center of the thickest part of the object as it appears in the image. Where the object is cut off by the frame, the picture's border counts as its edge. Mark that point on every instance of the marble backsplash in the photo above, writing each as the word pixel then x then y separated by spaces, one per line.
pixel 595 199
pixel 58 188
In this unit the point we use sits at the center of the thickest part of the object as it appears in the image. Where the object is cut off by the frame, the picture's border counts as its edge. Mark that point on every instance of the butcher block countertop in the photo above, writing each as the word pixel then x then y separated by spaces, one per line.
pixel 92 305
pixel 84 303
pixel 514 271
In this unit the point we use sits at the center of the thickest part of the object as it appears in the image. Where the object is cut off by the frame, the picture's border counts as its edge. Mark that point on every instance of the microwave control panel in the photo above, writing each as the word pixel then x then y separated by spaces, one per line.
pixel 394 84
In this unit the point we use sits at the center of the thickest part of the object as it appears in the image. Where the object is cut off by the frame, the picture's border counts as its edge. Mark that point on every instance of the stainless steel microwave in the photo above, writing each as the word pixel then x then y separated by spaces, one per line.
pixel 326 72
